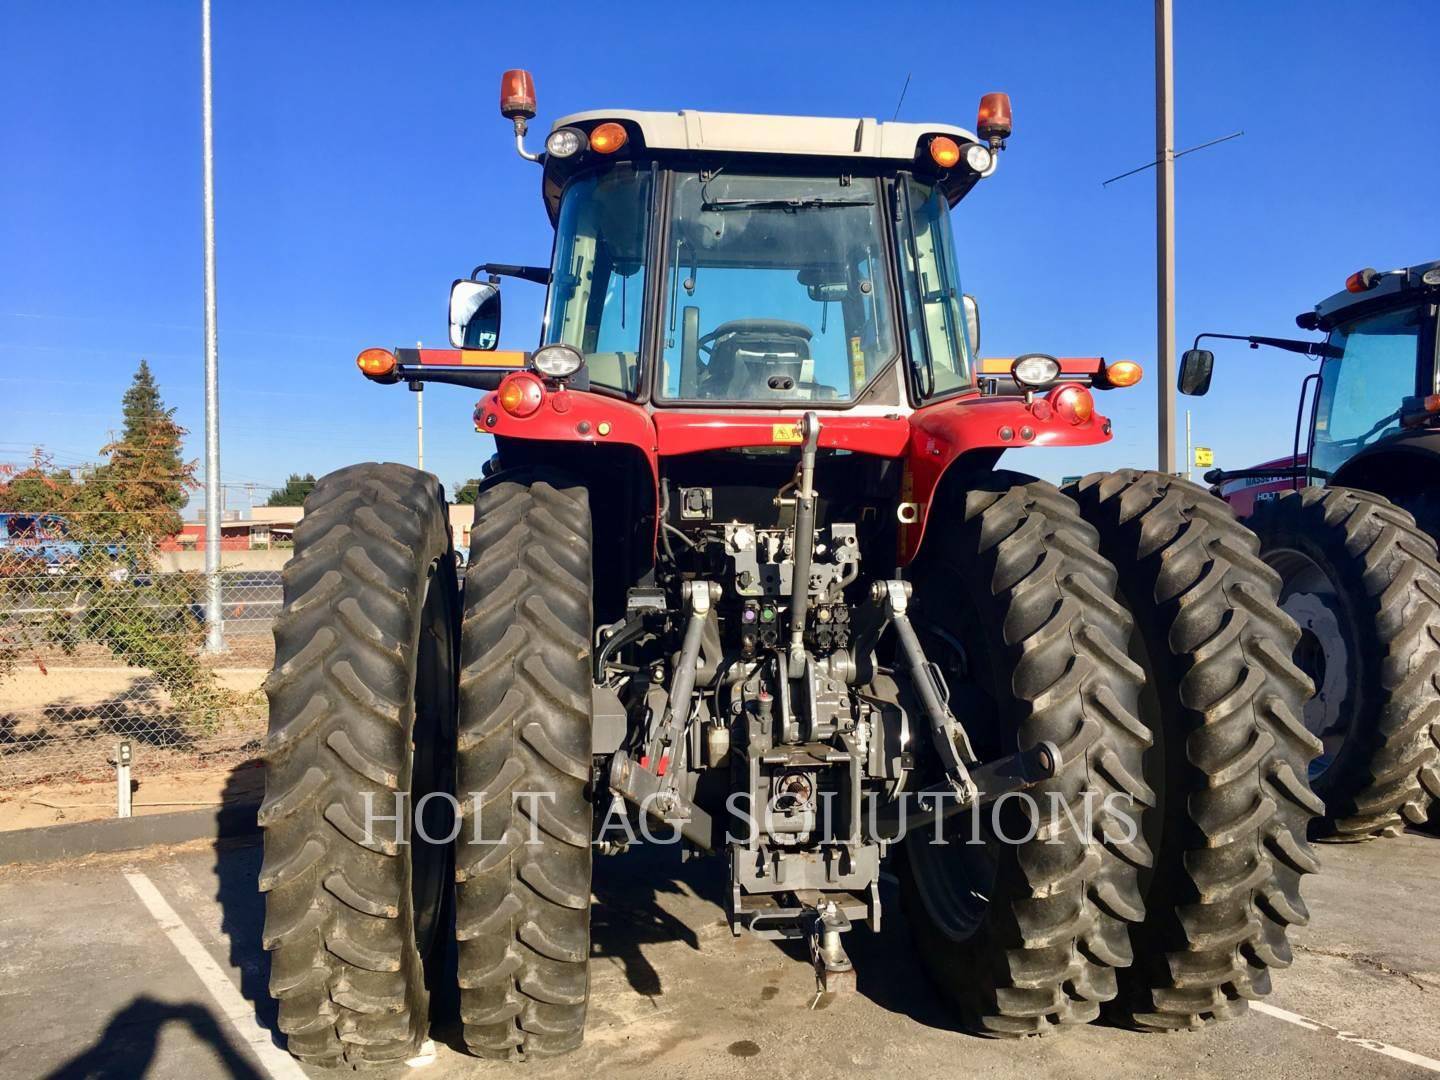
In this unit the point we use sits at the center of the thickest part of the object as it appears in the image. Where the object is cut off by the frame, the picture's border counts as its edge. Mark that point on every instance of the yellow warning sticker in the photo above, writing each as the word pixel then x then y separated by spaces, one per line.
pixel 786 433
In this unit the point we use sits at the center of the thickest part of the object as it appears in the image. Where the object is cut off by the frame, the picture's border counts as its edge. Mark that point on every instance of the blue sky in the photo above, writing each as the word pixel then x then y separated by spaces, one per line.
pixel 362 165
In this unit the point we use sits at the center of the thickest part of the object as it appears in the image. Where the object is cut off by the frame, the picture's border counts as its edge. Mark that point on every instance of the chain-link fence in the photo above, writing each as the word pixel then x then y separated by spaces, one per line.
pixel 99 645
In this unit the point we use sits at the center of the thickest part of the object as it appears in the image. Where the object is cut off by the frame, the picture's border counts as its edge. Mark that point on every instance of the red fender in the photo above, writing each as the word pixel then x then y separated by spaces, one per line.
pixel 942 432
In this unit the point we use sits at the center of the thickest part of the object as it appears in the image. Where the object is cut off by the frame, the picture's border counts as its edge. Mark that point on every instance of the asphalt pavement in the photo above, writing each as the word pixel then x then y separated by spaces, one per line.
pixel 149 965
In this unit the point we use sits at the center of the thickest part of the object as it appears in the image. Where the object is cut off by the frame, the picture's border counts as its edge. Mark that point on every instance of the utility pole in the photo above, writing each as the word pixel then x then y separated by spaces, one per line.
pixel 215 631
pixel 1164 164
pixel 1165 231
pixel 419 423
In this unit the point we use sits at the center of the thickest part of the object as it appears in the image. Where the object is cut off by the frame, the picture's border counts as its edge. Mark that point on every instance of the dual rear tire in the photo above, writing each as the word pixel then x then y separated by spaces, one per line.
pixel 1364 582
pixel 1134 625
pixel 362 897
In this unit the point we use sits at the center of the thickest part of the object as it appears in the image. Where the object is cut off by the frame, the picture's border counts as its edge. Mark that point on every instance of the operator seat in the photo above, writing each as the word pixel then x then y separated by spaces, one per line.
pixel 748 353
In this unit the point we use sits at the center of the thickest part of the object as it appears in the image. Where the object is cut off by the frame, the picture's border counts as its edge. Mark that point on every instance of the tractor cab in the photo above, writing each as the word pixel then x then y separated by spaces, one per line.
pixel 709 260
pixel 1373 401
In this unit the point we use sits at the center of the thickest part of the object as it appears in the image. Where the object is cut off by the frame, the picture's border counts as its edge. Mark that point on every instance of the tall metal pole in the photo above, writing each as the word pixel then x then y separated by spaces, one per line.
pixel 1165 231
pixel 215 636
pixel 419 424
pixel 1189 452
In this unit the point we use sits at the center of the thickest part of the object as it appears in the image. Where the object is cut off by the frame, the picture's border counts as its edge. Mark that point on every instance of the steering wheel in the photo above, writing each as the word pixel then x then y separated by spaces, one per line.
pixel 772 327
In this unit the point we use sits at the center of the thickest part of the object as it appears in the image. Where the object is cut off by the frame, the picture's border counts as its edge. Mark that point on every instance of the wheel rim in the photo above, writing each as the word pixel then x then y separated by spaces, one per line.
pixel 432 760
pixel 1309 596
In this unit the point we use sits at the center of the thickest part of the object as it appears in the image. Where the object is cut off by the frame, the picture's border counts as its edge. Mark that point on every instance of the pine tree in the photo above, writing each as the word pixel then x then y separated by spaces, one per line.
pixel 140 490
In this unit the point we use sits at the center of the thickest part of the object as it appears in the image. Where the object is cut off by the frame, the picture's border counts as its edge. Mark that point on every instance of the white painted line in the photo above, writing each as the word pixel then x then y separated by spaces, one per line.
pixel 233 1006
pixel 1410 1058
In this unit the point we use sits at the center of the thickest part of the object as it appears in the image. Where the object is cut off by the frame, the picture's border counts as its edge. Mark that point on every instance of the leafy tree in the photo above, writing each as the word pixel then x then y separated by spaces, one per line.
pixel 296 488
pixel 468 492
pixel 36 489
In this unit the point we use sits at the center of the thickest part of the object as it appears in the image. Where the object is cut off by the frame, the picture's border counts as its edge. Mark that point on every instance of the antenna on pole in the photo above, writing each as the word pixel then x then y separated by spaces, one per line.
pixel 903 89
pixel 1164 165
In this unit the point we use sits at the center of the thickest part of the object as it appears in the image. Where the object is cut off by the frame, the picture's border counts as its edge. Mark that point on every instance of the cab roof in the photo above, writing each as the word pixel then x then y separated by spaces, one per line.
pixel 809 136
pixel 689 131
pixel 1391 287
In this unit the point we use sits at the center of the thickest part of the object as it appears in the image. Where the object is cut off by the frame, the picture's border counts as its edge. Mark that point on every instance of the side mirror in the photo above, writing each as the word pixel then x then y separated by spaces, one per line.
pixel 474 315
pixel 972 323
pixel 1196 367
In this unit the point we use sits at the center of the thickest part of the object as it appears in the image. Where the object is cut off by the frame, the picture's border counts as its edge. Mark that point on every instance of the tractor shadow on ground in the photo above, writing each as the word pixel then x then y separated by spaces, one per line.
pixel 627 913
pixel 242 907
pixel 126 1048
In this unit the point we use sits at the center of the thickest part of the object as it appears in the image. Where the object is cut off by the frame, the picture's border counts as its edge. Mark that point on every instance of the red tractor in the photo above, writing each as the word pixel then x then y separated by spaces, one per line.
pixel 745 576
pixel 1349 520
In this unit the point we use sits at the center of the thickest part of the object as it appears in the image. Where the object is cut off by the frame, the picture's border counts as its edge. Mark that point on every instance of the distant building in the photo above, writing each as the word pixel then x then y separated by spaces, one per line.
pixel 268 526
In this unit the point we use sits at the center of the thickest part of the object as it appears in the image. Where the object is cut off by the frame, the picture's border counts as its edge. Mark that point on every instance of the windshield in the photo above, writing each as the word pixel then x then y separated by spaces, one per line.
pixel 939 343
pixel 597 285
pixel 776 289
pixel 1364 383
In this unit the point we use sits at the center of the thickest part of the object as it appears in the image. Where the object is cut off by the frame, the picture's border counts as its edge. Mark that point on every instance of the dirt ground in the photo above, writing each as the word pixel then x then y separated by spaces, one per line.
pixel 61 804
pixel 60 723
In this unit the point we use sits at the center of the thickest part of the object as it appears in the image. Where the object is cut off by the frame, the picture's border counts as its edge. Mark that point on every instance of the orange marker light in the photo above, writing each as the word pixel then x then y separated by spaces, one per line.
pixel 607 138
pixel 517 95
pixel 376 363
pixel 520 394
pixel 944 151
pixel 993 121
pixel 1123 373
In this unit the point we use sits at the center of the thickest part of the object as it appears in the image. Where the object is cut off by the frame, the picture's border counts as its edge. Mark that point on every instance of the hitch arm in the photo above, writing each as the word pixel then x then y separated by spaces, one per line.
pixel 951 742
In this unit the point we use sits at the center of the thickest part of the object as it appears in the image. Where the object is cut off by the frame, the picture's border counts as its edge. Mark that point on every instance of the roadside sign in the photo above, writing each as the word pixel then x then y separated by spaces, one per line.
pixel 1069 480
pixel 1204 457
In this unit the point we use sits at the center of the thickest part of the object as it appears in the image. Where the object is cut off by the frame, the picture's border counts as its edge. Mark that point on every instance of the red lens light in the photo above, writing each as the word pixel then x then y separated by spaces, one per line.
pixel 1362 281
pixel 1072 403
pixel 993 120
pixel 517 95
pixel 520 394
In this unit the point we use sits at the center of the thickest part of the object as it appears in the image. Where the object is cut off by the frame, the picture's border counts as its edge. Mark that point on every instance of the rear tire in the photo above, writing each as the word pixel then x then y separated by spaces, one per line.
pixel 1365 580
pixel 1026 937
pixel 525 703
pixel 1231 754
pixel 365 652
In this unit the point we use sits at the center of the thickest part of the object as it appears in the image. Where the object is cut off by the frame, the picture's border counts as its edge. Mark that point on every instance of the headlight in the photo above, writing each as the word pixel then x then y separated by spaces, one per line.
pixel 557 361
pixel 566 142
pixel 978 157
pixel 1034 370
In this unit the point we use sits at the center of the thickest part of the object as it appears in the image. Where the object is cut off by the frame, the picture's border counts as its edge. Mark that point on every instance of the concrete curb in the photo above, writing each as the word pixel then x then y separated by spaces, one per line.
pixel 52 842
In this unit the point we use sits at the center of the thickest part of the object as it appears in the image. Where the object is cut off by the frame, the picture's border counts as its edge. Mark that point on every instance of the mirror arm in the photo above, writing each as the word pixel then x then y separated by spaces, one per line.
pixel 540 275
pixel 1308 348
pixel 475 378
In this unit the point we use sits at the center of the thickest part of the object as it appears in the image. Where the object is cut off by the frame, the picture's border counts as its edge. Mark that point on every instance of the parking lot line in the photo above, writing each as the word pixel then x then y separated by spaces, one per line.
pixel 1407 1056
pixel 238 1012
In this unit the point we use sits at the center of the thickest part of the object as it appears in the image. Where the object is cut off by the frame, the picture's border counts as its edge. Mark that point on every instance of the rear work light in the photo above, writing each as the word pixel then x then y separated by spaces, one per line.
pixel 376 363
pixel 520 394
pixel 608 137
pixel 1072 403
